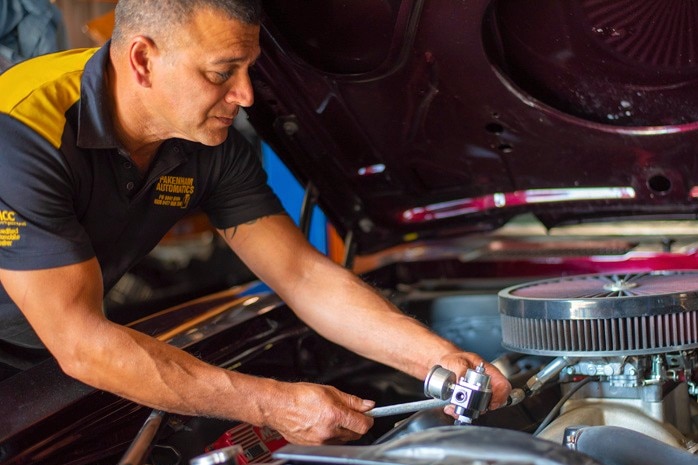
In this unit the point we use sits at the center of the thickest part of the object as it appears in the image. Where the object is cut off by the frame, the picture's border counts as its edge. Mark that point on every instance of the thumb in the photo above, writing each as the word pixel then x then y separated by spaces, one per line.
pixel 359 404
pixel 366 405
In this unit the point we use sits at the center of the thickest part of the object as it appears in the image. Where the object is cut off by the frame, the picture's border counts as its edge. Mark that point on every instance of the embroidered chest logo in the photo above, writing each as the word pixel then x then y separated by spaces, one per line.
pixel 10 228
pixel 174 191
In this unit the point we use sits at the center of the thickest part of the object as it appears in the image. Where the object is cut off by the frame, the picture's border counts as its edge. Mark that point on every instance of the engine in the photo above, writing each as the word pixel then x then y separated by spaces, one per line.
pixel 624 349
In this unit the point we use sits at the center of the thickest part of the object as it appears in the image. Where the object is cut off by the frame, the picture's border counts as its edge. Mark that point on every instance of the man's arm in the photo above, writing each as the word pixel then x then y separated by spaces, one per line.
pixel 64 306
pixel 344 309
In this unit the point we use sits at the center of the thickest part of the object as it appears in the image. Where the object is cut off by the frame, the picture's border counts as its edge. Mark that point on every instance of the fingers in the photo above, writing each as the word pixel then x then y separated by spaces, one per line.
pixel 501 387
pixel 354 419
pixel 460 362
pixel 318 414
pixel 340 435
pixel 357 403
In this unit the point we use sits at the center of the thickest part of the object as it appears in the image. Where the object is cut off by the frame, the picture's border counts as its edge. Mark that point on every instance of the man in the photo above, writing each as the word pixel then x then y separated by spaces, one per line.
pixel 93 141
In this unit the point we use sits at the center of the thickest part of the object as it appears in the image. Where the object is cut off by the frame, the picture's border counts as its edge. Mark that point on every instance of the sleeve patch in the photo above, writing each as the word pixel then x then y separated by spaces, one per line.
pixel 10 228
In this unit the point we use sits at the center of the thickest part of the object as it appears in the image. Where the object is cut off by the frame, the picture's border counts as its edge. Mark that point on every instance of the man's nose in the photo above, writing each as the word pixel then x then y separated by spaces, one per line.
pixel 241 92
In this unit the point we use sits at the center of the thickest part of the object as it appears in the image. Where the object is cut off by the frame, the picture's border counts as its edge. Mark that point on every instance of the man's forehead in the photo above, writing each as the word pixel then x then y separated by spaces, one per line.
pixel 215 30
pixel 236 58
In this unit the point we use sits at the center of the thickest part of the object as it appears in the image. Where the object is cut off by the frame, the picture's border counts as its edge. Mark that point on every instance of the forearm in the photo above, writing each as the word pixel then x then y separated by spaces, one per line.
pixel 310 283
pixel 152 373
pixel 69 320
pixel 342 308
pixel 368 324
pixel 365 322
pixel 114 358
pixel 130 364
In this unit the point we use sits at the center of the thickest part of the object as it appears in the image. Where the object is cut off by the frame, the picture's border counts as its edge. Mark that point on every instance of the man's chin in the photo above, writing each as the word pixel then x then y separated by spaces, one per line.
pixel 213 139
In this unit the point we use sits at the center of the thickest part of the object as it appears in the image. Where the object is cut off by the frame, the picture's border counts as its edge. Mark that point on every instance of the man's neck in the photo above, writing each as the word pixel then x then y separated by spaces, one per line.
pixel 131 122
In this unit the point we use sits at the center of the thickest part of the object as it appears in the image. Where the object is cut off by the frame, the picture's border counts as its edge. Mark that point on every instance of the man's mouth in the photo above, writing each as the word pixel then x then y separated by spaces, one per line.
pixel 226 121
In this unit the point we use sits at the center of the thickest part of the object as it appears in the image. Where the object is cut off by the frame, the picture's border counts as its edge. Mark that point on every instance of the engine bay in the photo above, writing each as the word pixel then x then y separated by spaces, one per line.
pixel 590 357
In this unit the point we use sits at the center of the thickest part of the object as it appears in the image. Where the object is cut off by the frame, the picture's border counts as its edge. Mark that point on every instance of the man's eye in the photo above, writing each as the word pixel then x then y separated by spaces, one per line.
pixel 220 78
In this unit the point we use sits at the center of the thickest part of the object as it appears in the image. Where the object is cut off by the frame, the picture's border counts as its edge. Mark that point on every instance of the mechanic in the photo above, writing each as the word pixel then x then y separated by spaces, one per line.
pixel 103 150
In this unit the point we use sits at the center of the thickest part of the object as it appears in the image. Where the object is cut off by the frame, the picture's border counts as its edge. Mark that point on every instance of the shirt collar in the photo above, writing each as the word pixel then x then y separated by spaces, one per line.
pixel 95 122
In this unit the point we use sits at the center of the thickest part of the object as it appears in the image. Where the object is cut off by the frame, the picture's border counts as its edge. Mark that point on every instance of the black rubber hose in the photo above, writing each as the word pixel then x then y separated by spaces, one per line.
pixel 612 445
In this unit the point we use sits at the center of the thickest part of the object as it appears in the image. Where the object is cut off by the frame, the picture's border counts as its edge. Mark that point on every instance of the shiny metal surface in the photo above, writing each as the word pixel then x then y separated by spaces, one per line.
pixel 448 445
pixel 407 407
pixel 139 448
pixel 603 314
pixel 225 456
pixel 624 413
pixel 551 370
pixel 219 318
pixel 603 295
pixel 439 383
pixel 470 395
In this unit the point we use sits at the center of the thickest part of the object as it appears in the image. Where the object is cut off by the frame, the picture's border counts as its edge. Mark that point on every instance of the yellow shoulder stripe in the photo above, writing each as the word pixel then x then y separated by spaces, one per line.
pixel 39 91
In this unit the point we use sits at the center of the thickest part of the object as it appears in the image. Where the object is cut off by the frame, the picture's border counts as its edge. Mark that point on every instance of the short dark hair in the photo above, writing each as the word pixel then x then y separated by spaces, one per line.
pixel 160 17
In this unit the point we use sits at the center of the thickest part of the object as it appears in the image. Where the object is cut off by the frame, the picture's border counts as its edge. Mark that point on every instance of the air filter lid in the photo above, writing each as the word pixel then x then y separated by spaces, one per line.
pixel 602 314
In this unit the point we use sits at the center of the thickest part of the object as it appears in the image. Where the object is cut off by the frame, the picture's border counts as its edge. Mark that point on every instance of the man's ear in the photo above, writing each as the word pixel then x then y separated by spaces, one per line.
pixel 141 55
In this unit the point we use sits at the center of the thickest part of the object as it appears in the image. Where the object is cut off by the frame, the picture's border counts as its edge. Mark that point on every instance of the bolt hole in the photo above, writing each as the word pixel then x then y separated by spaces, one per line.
pixel 494 128
pixel 659 183
pixel 460 397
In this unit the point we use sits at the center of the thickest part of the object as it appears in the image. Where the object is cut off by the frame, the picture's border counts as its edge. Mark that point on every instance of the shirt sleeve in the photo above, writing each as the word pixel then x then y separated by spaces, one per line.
pixel 38 225
pixel 241 193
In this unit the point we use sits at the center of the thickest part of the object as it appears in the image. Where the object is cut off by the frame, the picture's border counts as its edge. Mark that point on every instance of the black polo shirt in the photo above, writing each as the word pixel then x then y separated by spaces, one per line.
pixel 68 193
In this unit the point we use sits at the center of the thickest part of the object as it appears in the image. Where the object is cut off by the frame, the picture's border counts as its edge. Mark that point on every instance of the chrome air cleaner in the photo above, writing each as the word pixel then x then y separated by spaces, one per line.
pixel 602 314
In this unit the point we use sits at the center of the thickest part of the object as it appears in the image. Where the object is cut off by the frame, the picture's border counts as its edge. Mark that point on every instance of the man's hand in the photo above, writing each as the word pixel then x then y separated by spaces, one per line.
pixel 312 414
pixel 460 362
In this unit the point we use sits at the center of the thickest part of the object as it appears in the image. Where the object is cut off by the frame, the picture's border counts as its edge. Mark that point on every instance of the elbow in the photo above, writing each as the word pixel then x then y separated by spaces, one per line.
pixel 76 359
pixel 71 362
pixel 84 349
pixel 100 358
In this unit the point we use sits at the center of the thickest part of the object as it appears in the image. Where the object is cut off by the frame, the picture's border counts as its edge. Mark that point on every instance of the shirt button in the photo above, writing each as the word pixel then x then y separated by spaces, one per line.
pixel 129 186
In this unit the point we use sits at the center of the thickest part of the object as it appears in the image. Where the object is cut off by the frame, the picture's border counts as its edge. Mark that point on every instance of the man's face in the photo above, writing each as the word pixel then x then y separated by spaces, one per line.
pixel 200 77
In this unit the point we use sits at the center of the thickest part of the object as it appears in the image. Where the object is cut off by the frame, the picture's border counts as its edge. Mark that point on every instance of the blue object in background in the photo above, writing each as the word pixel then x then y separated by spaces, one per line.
pixel 291 194
pixel 29 28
